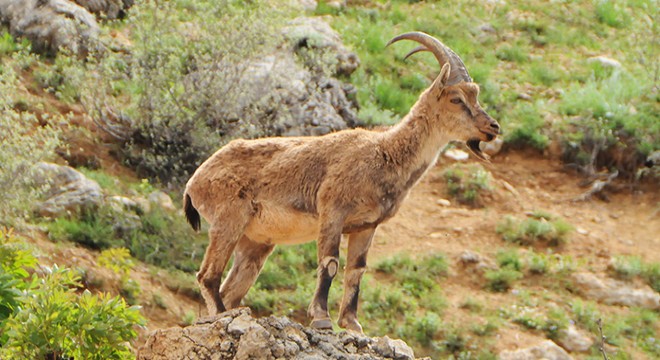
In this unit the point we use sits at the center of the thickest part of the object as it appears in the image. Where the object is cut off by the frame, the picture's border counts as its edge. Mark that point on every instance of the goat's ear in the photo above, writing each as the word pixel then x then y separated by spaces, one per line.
pixel 441 80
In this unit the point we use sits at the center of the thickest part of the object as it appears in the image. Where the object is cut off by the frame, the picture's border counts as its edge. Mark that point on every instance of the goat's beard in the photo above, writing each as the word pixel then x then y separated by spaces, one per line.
pixel 473 145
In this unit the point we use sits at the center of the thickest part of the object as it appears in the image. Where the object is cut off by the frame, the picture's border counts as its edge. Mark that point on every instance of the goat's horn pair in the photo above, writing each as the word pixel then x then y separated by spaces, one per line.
pixel 442 53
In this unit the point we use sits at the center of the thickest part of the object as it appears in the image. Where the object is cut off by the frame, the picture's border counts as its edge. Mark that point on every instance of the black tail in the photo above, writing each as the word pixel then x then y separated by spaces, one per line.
pixel 191 213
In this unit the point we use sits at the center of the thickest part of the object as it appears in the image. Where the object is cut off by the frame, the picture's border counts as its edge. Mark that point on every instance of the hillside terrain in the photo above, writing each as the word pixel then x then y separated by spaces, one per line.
pixel 557 233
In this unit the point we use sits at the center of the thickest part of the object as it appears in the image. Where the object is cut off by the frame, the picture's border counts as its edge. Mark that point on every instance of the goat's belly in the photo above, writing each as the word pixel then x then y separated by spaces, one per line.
pixel 281 226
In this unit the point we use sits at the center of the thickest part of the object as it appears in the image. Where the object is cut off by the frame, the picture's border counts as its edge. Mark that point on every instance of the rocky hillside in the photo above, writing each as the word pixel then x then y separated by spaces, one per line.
pixel 108 106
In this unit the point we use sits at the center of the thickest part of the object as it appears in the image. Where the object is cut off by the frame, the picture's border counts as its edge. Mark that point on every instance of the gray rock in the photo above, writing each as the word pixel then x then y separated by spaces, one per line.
pixel 235 334
pixel 395 349
pixel 51 25
pixel 615 292
pixel 546 350
pixel 605 61
pixel 161 200
pixel 493 147
pixel 69 191
pixel 109 9
pixel 574 340
pixel 312 32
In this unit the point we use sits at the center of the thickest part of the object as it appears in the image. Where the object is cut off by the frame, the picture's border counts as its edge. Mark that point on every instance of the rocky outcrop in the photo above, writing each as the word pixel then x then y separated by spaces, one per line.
pixel 574 340
pixel 546 350
pixel 615 292
pixel 235 334
pixel 69 191
pixel 108 9
pixel 51 25
pixel 292 91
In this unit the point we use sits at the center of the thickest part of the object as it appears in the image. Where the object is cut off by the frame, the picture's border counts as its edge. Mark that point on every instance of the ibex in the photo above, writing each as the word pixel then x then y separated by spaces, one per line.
pixel 256 194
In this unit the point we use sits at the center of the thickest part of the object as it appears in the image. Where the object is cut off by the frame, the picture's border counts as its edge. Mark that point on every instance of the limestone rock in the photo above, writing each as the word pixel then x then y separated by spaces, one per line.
pixel 314 33
pixel 162 200
pixel 615 292
pixel 109 9
pixel 575 340
pixel 493 147
pixel 51 25
pixel 69 192
pixel 605 61
pixel 546 350
pixel 235 334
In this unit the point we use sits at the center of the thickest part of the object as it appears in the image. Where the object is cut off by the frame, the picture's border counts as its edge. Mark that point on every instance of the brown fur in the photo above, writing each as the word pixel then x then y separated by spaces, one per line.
pixel 260 193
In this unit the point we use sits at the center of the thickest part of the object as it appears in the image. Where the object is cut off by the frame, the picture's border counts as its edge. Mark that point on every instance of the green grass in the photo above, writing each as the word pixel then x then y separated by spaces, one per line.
pixel 537 49
pixel 552 231
pixel 468 183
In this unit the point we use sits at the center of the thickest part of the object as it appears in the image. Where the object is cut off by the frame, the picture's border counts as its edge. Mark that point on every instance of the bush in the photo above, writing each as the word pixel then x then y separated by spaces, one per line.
pixel 180 90
pixel 156 237
pixel 45 317
pixel 467 183
pixel 23 143
pixel 502 280
pixel 543 228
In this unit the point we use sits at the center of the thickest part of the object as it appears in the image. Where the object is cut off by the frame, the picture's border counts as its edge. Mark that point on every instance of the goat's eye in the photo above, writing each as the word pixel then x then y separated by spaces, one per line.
pixel 456 101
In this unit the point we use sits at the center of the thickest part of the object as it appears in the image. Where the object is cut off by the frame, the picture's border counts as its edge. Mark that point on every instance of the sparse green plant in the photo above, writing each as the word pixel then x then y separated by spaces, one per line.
pixel 651 274
pixel 509 259
pixel 553 232
pixel 627 267
pixel 501 280
pixel 468 183
pixel 426 328
pixel 538 263
pixel 471 305
pixel 586 314
pixel 23 144
pixel 611 13
pixel 158 299
pixel 527 127
pixel 188 318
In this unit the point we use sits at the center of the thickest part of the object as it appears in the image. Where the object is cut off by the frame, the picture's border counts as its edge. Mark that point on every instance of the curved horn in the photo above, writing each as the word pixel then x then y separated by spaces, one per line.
pixel 442 53
pixel 415 51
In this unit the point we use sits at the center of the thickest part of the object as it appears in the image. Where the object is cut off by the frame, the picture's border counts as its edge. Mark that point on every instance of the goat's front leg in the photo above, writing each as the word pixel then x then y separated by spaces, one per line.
pixel 356 264
pixel 328 258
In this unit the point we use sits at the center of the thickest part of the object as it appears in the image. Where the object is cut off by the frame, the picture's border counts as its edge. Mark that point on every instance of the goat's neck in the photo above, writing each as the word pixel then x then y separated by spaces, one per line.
pixel 417 140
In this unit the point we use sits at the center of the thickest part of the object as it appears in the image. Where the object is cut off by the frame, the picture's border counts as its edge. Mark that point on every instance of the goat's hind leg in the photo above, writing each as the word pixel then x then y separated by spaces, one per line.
pixel 223 237
pixel 249 258
pixel 356 265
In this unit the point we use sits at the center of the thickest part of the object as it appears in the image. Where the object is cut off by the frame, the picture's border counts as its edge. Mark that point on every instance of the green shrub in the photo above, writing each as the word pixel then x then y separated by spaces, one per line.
pixel 509 259
pixel 172 115
pixel 502 280
pixel 611 13
pixel 23 143
pixel 155 237
pixel 526 126
pixel 120 262
pixel 426 328
pixel 45 317
pixel 553 232
pixel 538 263
pixel 651 274
pixel 627 267
pixel 468 183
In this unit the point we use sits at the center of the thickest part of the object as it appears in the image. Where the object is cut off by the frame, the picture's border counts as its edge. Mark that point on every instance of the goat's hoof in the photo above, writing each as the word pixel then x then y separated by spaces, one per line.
pixel 352 326
pixel 321 324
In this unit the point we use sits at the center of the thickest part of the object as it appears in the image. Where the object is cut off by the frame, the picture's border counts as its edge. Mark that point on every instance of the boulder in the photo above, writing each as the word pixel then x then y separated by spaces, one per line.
pixel 314 33
pixel 615 292
pixel 546 350
pixel 161 200
pixel 52 25
pixel 109 9
pixel 69 191
pixel 235 334
pixel 575 340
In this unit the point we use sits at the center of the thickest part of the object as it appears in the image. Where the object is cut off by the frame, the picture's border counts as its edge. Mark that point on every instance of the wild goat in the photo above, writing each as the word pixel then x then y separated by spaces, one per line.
pixel 256 194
